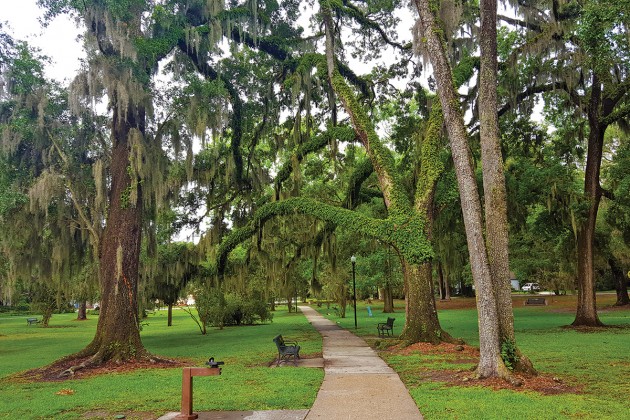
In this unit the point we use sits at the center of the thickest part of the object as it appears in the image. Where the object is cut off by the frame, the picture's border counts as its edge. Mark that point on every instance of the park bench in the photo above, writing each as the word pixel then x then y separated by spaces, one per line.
pixel 287 350
pixel 386 327
pixel 31 321
pixel 536 301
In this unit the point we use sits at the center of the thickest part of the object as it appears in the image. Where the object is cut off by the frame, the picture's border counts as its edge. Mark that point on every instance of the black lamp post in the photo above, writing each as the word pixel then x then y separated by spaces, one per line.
pixel 354 290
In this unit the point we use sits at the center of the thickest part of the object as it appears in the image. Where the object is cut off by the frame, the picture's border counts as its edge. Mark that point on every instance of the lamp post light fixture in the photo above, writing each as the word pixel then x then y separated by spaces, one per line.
pixel 353 259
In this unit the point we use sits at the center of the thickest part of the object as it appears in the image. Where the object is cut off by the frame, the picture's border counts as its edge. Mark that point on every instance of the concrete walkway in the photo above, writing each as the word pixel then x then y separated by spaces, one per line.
pixel 357 383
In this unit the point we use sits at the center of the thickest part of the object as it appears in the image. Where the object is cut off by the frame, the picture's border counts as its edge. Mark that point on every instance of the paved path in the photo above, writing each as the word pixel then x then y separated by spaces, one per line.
pixel 357 383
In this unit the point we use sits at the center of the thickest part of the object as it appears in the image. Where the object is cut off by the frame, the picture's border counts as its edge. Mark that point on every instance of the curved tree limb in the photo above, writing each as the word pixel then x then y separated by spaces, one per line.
pixel 402 233
pixel 362 19
pixel 382 160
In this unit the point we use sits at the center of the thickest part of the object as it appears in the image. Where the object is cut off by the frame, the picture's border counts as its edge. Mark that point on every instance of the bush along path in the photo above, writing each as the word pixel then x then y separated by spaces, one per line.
pixel 357 383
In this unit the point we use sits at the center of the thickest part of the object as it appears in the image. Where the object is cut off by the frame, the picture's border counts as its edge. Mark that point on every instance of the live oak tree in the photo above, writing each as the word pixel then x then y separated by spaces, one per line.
pixel 398 232
pixel 119 66
pixel 490 292
pixel 617 215
pixel 421 321
pixel 50 219
pixel 580 53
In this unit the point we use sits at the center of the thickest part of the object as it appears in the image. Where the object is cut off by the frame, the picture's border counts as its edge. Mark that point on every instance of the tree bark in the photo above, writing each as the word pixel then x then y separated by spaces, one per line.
pixel 439 283
pixel 388 299
pixel 445 293
pixel 621 282
pixel 82 312
pixel 169 322
pixel 586 314
pixel 490 362
pixel 495 195
pixel 421 321
pixel 117 333
pixel 388 294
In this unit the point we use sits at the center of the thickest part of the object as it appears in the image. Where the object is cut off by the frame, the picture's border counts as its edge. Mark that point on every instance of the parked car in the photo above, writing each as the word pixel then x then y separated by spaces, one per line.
pixel 531 287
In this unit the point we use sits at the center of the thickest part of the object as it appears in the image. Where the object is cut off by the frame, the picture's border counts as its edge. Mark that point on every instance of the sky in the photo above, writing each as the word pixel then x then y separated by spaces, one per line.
pixel 58 40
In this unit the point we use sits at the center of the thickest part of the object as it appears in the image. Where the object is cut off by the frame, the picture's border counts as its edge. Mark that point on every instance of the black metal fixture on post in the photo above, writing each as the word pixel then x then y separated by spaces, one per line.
pixel 353 259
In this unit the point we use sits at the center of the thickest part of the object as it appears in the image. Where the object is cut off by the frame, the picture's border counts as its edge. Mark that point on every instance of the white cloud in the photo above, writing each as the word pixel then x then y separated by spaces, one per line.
pixel 58 40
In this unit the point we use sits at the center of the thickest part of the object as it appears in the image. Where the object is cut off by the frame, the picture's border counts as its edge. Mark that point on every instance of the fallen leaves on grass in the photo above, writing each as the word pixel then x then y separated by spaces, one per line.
pixel 65 391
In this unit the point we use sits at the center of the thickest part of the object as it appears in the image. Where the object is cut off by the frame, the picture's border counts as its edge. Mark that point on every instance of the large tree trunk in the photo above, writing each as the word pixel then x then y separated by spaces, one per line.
pixel 620 282
pixel 495 195
pixel 421 319
pixel 169 322
pixel 586 314
pixel 490 362
pixel 117 333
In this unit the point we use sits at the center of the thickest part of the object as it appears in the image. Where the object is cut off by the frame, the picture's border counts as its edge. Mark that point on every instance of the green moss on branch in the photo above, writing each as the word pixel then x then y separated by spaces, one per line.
pixel 404 232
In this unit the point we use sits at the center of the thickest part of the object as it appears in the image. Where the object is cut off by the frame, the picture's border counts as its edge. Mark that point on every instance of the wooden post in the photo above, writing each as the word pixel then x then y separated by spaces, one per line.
pixel 187 388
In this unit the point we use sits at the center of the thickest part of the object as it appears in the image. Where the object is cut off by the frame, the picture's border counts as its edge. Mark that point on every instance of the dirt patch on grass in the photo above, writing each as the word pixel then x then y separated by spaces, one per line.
pixel 135 415
pixel 562 303
pixel 58 326
pixel 459 351
pixel 614 308
pixel 601 329
pixel 543 384
pixel 455 354
pixel 52 372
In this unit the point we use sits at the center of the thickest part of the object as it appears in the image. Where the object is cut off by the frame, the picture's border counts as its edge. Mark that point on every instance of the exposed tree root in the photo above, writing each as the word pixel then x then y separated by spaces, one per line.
pixel 92 361
pixel 447 338
pixel 501 372
pixel 524 365
pixel 99 359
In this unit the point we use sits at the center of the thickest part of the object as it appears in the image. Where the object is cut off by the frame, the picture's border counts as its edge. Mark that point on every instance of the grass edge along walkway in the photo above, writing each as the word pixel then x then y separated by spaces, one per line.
pixel 357 383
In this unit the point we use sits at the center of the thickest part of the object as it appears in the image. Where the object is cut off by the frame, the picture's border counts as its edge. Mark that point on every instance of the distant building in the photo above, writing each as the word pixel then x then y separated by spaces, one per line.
pixel 514 282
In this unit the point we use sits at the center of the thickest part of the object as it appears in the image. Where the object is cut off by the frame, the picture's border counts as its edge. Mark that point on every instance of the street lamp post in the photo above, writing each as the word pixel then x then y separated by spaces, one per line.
pixel 353 259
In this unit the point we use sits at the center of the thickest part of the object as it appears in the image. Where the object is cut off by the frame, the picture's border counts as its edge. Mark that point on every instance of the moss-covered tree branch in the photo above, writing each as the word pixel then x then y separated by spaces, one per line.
pixel 396 199
pixel 400 232
pixel 360 17
pixel 317 143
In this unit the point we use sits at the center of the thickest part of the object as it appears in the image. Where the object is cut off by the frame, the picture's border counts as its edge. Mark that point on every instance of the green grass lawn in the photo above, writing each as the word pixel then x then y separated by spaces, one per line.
pixel 246 383
pixel 597 362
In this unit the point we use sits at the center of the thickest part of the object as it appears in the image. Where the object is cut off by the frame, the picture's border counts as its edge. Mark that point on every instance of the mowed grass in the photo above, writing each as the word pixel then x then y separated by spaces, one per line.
pixel 247 382
pixel 597 361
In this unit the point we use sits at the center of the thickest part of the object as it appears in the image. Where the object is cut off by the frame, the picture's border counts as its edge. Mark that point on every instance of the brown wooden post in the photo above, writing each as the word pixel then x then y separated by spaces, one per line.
pixel 187 388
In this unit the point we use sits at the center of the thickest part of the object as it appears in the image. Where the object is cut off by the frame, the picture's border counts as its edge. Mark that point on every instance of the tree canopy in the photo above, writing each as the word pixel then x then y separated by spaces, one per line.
pixel 287 136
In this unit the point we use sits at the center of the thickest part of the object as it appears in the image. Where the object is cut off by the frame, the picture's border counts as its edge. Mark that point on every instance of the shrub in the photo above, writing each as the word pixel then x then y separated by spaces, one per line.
pixel 218 309
pixel 240 310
